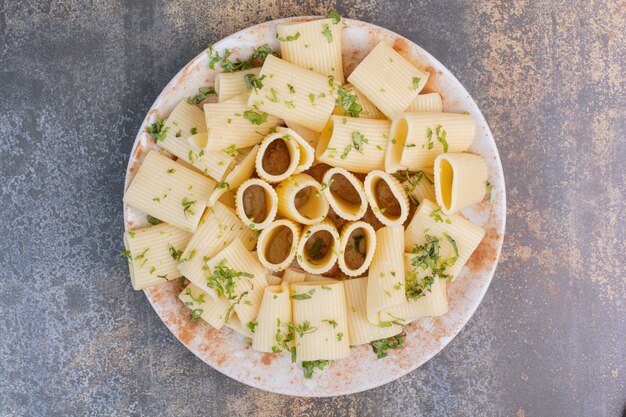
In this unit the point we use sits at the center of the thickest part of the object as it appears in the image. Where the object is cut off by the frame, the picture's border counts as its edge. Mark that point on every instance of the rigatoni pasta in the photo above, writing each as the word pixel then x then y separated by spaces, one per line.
pixel 460 180
pixel 317 249
pixel 277 244
pixel 345 193
pixel 384 193
pixel 233 84
pixel 240 173
pixel 300 199
pixel 256 203
pixel 357 245
pixel 307 152
pixel 430 102
pixel 273 317
pixel 278 157
pixel 213 311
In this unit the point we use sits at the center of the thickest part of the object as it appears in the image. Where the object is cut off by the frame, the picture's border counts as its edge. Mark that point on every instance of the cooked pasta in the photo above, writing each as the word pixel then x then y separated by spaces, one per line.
pixel 277 244
pixel 361 331
pixel 385 195
pixel 182 121
pixel 278 157
pixel 357 245
pixel 211 310
pixel 460 180
pixel 233 84
pixel 320 317
pixel 417 138
pixel 385 284
pixel 351 102
pixel 429 223
pixel 274 280
pixel 430 102
pixel 275 312
pixel 314 45
pixel 300 199
pixel 317 249
pixel 388 79
pixel 355 144
pixel 345 193
pixel 169 191
pixel 148 254
pixel 310 136
pixel 256 203
pixel 241 172
pixel 307 152
pixel 293 93
pixel 418 185
pixel 292 276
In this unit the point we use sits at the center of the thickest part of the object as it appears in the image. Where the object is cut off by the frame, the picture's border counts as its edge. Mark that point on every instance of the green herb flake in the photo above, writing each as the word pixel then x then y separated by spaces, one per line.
pixel 254 117
pixel 381 346
pixel 349 102
pixel 327 33
pixel 289 38
pixel 332 323
pixel 334 14
pixel 489 188
pixel 325 287
pixel 196 314
pixel 187 206
pixel 304 296
pixel 358 139
pixel 291 88
pixel 416 82
pixel 152 220
pixel 222 280
pixel 156 130
pixel 308 366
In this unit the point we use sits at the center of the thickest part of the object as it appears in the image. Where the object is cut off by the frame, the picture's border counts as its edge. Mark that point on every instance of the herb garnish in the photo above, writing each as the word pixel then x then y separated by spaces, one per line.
pixel 222 184
pixel 441 137
pixel 231 150
pixel 429 136
pixel 292 90
pixel 156 130
pixel 201 96
pixel 308 366
pixel 429 258
pixel 288 38
pixel 334 14
pixel 327 33
pixel 254 117
pixel 196 314
pixel 187 206
pixel 348 102
pixel 252 325
pixel 416 82
pixel 261 52
pixel 222 279
pixel 304 296
pixel 152 220
pixel 252 81
pixel 489 188
pixel 358 139
pixel 381 346
pixel 330 322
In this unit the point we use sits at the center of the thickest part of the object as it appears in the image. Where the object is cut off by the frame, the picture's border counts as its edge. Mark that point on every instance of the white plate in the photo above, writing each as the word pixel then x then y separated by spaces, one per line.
pixel 228 352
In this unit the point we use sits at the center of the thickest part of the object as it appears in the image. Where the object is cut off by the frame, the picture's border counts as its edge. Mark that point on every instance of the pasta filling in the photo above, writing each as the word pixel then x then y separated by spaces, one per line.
pixel 356 249
pixel 318 247
pixel 342 189
pixel 255 203
pixel 307 204
pixel 279 245
pixel 398 140
pixel 446 179
pixel 276 158
pixel 386 200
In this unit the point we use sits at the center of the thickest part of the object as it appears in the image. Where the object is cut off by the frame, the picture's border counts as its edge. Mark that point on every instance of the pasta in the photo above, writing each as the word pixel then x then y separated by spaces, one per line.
pixel 357 245
pixel 300 199
pixel 314 45
pixel 345 193
pixel 169 191
pixel 319 315
pixel 256 203
pixel 277 244
pixel 361 331
pixel 233 84
pixel 218 228
pixel 417 138
pixel 148 255
pixel 293 93
pixel 385 283
pixel 385 195
pixel 460 180
pixel 236 274
pixel 429 220
pixel 317 249
pixel 300 237
pixel 278 157
pixel 355 144
pixel 388 80
pixel 275 312
pixel 430 102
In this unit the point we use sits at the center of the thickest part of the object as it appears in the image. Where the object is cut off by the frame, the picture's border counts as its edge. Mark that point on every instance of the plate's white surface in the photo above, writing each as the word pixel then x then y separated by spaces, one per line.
pixel 228 352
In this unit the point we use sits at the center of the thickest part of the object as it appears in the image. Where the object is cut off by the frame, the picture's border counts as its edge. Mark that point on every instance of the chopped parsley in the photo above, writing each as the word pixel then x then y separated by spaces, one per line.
pixel 489 188
pixel 330 322
pixel 252 81
pixel 327 33
pixel 292 90
pixel 339 336
pixel 441 137
pixel 252 325
pixel 187 206
pixel 416 82
pixel 171 171
pixel 254 117
pixel 326 287
pixel 334 14
pixel 348 102
pixel 156 131
pixel 289 38
pixel 193 130
pixel 231 150
pixel 222 185
pixel 196 314
pixel 202 95
pixel 152 220
pixel 346 151
pixel 358 139
pixel 381 346
pixel 429 258
pixel 222 279
pixel 187 258
pixel 304 296
pixel 308 366
pixel 429 136
pixel 436 215
pixel 227 65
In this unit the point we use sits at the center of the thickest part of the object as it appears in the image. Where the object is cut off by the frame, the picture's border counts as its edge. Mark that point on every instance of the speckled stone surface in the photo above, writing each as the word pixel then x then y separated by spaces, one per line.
pixel 76 78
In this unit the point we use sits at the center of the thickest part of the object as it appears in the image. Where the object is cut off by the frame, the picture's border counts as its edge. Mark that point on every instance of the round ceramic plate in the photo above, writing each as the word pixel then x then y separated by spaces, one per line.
pixel 230 353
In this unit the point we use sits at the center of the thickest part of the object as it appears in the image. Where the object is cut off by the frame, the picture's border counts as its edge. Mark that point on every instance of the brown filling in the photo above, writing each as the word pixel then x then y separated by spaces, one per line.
pixel 342 189
pixel 276 158
pixel 279 245
pixel 356 249
pixel 254 203
pixel 386 200
pixel 318 245
pixel 302 197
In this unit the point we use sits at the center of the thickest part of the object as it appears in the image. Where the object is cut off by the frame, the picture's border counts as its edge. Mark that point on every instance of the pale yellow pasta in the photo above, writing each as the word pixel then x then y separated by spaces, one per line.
pixel 381 189
pixel 355 144
pixel 388 80
pixel 218 228
pixel 169 191
pixel 293 93
pixel 148 254
pixel 344 203
pixel 320 307
pixel 307 152
pixel 213 311
pixel 182 121
pixel 300 199
pixel 433 303
pixel 310 136
pixel 228 199
pixel 317 277
pixel 361 331
pixel 317 249
pixel 459 180
pixel 274 314
pixel 417 138
pixel 232 84
pixel 269 152
pixel 292 276
pixel 367 109
pixel 277 244
pixel 314 45
pixel 240 172
pixel 232 125
pixel 385 285
pixel 257 214
pixel 356 254
pixel 430 102
pixel 430 220
pixel 249 279
pixel 274 280
pixel 417 185
pixel 239 326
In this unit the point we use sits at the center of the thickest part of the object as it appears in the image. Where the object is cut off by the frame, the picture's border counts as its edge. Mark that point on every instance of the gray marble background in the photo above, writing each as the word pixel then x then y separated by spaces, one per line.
pixel 77 78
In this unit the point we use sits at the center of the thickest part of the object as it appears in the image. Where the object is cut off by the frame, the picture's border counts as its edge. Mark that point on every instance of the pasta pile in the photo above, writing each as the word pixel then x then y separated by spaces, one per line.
pixel 306 213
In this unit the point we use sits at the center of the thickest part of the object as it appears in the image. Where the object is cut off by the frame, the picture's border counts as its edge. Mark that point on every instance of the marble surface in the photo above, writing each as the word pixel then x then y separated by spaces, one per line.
pixel 76 78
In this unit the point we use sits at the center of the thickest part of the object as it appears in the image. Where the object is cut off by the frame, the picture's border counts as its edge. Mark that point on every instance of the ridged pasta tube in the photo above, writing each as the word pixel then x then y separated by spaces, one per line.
pixel 357 245
pixel 386 197
pixel 300 199
pixel 459 180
